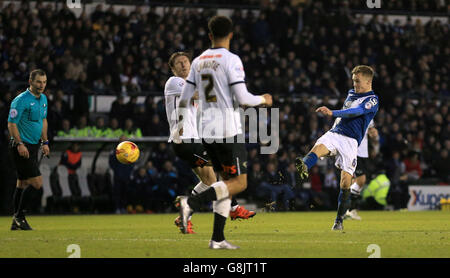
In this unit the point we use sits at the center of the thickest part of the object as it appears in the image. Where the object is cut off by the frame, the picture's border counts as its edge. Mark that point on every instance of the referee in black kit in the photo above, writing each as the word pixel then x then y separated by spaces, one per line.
pixel 27 125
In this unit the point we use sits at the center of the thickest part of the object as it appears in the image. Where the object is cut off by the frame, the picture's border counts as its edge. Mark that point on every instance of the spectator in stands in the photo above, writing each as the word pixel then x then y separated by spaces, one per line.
pixel 255 177
pixel 81 129
pixel 81 97
pixel 151 170
pixel 318 198
pixel 330 186
pixel 122 177
pixel 65 131
pixel 140 197
pixel 99 130
pixel 442 166
pixel 113 131
pixel 160 155
pixel 131 106
pixel 413 169
pixel 274 186
pixel 157 128
pixel 130 130
pixel 118 110
pixel 72 158
pixel 395 171
pixel 167 187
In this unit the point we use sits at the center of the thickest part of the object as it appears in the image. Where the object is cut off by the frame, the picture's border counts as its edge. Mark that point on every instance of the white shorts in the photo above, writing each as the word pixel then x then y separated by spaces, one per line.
pixel 344 148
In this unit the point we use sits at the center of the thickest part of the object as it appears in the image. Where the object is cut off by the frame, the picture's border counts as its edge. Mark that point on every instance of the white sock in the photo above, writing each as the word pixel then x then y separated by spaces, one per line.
pixel 354 189
pixel 233 208
pixel 222 207
pixel 221 190
pixel 199 188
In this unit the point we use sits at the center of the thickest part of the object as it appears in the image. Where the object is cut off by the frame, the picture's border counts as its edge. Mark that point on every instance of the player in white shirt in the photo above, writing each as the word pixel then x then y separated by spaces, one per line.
pixel 189 151
pixel 361 171
pixel 219 75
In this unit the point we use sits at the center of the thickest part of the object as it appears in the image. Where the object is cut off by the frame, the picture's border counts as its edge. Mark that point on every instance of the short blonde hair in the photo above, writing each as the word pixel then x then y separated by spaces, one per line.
pixel 364 70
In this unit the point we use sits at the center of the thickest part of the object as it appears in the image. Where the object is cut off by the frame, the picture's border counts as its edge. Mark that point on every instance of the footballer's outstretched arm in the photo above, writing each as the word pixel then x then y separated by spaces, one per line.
pixel 348 113
pixel 365 107
pixel 244 97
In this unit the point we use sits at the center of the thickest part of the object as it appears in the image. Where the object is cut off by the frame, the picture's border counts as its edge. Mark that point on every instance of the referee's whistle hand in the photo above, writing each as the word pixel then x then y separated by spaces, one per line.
pixel 23 151
pixel 45 150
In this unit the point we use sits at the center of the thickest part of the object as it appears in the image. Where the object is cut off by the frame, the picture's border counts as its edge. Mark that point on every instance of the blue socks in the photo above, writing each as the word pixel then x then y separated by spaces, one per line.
pixel 343 203
pixel 310 160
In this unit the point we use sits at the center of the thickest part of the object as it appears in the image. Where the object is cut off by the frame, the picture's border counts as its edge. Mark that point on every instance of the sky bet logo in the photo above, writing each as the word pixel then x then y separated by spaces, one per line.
pixel 431 200
pixel 373 4
pixel 74 4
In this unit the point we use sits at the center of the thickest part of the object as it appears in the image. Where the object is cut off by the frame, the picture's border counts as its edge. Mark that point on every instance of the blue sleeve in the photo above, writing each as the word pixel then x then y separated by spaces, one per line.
pixel 16 111
pixel 348 113
pixel 367 106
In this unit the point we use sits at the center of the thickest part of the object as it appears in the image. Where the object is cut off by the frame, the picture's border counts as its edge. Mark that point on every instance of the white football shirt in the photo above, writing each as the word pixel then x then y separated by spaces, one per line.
pixel 363 149
pixel 214 73
pixel 172 91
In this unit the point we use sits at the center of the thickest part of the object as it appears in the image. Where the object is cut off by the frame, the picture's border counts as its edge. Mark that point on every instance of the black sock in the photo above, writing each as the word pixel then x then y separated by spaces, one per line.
pixel 16 198
pixel 342 204
pixel 353 201
pixel 233 202
pixel 219 227
pixel 25 200
pixel 196 202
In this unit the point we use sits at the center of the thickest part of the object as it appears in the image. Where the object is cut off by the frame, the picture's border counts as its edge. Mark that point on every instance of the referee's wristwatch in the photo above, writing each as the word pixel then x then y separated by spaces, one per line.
pixel 44 142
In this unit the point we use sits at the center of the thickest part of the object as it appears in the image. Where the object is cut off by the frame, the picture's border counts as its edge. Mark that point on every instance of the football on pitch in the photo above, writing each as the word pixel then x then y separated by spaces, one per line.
pixel 127 152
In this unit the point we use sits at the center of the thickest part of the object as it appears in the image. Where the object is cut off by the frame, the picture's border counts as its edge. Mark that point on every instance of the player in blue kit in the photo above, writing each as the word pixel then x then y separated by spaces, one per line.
pixel 343 139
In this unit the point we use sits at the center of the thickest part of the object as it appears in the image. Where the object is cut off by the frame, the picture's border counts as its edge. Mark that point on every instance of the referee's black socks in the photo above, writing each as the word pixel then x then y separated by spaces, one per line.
pixel 25 200
pixel 16 198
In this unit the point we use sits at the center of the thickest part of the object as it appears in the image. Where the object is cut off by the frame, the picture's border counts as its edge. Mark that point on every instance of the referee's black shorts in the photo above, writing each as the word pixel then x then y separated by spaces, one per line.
pixel 26 167
pixel 361 167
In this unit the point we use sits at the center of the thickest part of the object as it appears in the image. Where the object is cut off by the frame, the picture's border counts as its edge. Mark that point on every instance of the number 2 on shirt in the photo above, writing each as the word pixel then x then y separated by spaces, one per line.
pixel 208 88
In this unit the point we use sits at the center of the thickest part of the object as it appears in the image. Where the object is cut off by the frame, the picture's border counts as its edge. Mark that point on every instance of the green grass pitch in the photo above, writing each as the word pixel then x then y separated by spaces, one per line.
pixel 267 235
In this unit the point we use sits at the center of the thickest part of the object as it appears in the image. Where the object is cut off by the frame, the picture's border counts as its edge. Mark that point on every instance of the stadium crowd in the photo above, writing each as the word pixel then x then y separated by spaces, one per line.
pixel 306 64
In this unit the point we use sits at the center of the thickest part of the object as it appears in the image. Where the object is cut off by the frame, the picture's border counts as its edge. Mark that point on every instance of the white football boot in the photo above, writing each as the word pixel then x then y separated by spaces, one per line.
pixel 185 211
pixel 221 245
pixel 352 214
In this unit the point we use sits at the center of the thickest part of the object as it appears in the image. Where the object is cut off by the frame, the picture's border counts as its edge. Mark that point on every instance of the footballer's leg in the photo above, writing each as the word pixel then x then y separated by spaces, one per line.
pixel 21 185
pixel 34 184
pixel 355 192
pixel 304 164
pixel 196 156
pixel 231 161
pixel 344 194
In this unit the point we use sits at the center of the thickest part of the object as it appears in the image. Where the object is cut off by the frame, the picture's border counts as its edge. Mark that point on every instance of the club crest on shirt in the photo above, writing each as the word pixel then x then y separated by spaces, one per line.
pixel 372 102
pixel 13 113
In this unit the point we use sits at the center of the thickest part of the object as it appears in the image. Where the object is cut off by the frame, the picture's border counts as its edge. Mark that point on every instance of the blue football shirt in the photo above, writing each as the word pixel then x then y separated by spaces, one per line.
pixel 28 112
pixel 361 108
